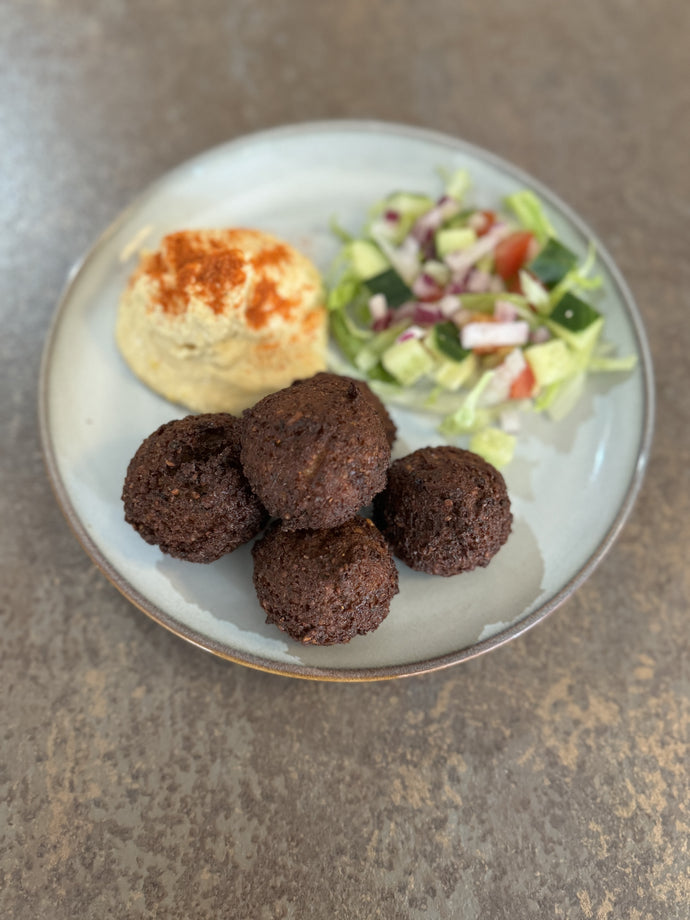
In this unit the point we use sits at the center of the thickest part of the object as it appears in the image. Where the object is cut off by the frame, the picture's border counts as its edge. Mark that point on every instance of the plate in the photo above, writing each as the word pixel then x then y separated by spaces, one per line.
pixel 572 483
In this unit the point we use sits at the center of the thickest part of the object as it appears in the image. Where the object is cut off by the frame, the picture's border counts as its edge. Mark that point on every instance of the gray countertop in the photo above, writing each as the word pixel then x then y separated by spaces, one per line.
pixel 140 776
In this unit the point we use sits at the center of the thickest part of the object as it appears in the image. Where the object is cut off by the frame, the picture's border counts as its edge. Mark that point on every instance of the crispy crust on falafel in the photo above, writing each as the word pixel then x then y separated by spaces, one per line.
pixel 185 490
pixel 444 511
pixel 323 587
pixel 315 452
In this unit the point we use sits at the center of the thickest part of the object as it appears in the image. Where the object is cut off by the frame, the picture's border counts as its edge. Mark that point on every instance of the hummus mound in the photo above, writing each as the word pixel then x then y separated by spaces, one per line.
pixel 216 319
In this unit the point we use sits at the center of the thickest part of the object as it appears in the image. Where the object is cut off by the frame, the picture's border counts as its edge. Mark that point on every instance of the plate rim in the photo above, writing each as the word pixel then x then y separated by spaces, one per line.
pixel 359 674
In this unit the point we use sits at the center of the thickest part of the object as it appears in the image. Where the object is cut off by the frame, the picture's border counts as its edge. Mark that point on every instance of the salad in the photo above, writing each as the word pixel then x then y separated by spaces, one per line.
pixel 476 314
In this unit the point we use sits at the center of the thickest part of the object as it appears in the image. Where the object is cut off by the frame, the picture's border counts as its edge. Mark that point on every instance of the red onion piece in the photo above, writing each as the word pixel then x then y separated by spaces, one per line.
pixel 505 311
pixel 427 315
pixel 494 335
pixel 412 332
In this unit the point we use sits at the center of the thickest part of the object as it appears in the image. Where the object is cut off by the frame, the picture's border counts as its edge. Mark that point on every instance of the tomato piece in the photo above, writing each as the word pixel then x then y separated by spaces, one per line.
pixel 489 219
pixel 523 385
pixel 513 285
pixel 512 253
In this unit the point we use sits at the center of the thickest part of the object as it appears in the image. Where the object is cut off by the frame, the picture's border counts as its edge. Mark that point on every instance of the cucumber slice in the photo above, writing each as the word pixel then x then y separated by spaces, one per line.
pixel 550 361
pixel 455 364
pixel 445 338
pixel 408 204
pixel 553 263
pixel 485 303
pixel 392 286
pixel 575 322
pixel 573 314
pixel 407 361
pixel 452 239
pixel 369 354
pixel 582 342
pixel 367 259
pixel 452 375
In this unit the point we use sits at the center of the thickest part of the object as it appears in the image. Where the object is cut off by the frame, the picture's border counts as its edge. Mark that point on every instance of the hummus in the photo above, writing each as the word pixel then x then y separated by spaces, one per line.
pixel 216 319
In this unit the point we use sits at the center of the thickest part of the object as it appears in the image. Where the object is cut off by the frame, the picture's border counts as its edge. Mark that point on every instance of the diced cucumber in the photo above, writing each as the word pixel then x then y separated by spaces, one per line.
pixel 366 359
pixel 392 286
pixel 553 263
pixel 573 314
pixel 367 259
pixel 369 354
pixel 408 361
pixel 550 361
pixel 454 238
pixel 451 375
pixel 407 207
pixel 486 303
pixel 582 341
pixel 445 338
pixel 409 204
pixel 494 445
pixel 455 364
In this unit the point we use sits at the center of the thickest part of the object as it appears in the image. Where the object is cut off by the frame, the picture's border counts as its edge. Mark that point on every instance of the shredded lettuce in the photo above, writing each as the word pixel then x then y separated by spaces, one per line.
pixel 469 416
pixel 403 258
pixel 457 184
pixel 340 232
pixel 612 364
pixel 407 205
pixel 558 399
pixel 347 335
pixel 345 292
pixel 535 293
pixel 530 214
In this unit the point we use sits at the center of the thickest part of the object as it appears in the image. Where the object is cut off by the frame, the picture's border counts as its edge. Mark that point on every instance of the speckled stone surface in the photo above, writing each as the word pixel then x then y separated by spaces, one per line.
pixel 140 776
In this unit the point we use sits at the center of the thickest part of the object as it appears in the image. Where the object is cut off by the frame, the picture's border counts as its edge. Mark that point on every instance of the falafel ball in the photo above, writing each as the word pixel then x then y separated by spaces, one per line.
pixel 445 510
pixel 388 423
pixel 185 490
pixel 315 452
pixel 323 587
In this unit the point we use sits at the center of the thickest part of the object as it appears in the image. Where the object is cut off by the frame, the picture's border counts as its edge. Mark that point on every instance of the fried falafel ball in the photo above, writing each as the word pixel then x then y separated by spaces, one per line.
pixel 388 423
pixel 315 452
pixel 185 490
pixel 445 510
pixel 324 587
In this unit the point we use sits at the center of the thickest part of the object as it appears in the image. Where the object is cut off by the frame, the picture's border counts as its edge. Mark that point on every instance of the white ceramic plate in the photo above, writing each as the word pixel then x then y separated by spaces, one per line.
pixel 572 484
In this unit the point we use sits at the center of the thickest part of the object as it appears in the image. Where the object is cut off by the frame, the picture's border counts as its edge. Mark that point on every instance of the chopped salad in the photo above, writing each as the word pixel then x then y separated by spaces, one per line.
pixel 476 314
